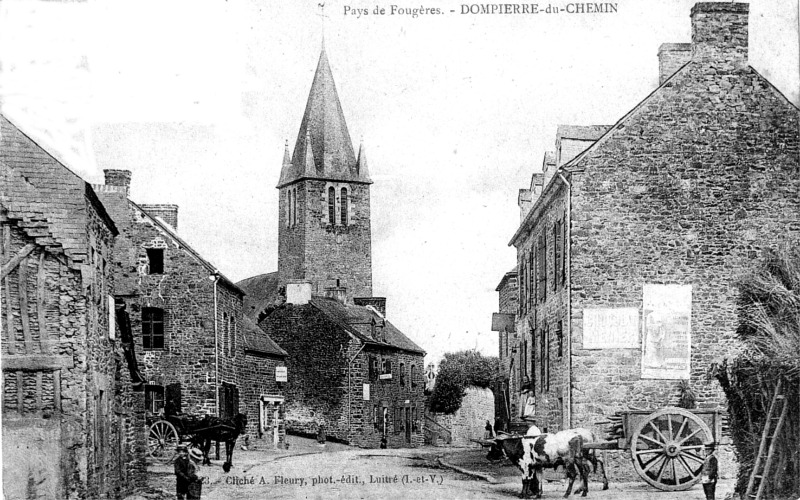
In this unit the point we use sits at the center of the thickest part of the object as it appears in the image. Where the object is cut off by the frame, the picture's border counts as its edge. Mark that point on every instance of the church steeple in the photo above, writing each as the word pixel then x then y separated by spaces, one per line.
pixel 323 140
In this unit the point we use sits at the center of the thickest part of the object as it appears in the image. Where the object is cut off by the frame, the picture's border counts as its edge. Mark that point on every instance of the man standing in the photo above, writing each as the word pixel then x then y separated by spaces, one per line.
pixel 185 472
pixel 710 472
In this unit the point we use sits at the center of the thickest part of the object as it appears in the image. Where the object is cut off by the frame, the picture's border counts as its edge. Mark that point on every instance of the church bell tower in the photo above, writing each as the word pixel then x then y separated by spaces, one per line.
pixel 324 233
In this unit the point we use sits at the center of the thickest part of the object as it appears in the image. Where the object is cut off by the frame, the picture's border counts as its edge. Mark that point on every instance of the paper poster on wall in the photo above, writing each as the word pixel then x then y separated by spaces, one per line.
pixel 607 328
pixel 666 331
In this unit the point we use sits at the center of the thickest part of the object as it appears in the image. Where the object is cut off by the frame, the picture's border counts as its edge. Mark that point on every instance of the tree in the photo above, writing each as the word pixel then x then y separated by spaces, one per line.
pixel 457 371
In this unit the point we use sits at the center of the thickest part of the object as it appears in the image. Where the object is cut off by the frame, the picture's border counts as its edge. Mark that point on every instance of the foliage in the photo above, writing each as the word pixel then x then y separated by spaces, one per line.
pixel 457 371
pixel 769 328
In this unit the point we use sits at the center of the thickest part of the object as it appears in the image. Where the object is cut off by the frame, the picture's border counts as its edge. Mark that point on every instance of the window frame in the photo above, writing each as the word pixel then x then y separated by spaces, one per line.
pixel 151 252
pixel 150 401
pixel 152 322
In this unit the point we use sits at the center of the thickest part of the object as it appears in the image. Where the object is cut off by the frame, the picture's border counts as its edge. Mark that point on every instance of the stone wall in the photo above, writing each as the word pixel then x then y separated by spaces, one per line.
pixel 543 344
pixel 468 423
pixel 321 253
pixel 323 389
pixel 259 371
pixel 72 436
pixel 185 292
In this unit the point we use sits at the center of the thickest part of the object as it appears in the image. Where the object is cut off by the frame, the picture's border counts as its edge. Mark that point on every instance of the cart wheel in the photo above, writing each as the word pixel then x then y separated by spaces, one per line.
pixel 666 448
pixel 162 440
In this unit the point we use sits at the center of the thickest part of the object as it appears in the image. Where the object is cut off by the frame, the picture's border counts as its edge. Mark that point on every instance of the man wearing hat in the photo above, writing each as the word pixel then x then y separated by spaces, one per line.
pixel 185 472
pixel 709 473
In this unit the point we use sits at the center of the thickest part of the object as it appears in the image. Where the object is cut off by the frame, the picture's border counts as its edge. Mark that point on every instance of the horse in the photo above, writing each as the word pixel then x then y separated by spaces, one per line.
pixel 217 429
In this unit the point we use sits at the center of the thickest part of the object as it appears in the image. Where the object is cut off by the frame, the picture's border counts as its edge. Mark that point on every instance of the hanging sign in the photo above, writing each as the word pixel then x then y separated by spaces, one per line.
pixel 666 331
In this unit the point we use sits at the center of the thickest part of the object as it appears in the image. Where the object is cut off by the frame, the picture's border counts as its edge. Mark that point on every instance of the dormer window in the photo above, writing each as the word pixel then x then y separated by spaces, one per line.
pixel 155 260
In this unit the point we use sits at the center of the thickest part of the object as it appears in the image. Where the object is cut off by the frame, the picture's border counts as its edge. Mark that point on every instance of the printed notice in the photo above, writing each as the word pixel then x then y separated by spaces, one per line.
pixel 607 328
pixel 666 331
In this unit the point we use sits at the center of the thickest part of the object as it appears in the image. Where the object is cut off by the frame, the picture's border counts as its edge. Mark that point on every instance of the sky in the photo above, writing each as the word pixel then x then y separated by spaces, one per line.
pixel 197 98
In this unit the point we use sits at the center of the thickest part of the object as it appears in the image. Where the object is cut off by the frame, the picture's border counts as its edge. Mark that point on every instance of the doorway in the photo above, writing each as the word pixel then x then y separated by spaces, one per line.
pixel 270 419
pixel 408 424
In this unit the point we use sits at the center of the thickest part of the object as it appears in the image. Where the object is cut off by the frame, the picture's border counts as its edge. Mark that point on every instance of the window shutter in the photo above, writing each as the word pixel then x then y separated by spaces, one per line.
pixel 172 399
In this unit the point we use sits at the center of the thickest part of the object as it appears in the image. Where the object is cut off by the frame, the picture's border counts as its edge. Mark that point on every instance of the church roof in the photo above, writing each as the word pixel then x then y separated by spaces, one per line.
pixel 323 149
pixel 262 292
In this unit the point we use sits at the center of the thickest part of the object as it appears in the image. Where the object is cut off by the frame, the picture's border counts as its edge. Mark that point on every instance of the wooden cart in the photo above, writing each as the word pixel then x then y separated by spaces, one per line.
pixel 667 445
pixel 167 432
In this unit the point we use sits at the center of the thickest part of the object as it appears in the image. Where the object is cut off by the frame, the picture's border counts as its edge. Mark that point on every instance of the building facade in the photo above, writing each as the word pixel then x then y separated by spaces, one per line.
pixel 196 352
pixel 627 259
pixel 68 431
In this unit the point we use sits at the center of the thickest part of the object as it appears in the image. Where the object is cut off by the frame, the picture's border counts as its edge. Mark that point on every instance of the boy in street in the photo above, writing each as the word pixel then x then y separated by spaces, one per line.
pixel 710 473
pixel 185 472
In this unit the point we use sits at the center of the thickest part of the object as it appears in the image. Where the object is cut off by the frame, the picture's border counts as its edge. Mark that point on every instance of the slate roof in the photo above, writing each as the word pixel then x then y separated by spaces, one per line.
pixel 506 277
pixel 323 149
pixel 580 132
pixel 357 320
pixel 47 196
pixel 257 340
pixel 262 292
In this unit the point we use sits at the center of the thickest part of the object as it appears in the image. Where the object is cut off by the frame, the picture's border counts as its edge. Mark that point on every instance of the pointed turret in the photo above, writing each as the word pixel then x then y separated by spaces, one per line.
pixel 323 139
pixel 361 164
pixel 286 170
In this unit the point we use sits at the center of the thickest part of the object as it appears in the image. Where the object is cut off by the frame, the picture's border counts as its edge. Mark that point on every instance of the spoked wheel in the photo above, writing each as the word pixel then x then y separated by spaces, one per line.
pixel 162 440
pixel 667 448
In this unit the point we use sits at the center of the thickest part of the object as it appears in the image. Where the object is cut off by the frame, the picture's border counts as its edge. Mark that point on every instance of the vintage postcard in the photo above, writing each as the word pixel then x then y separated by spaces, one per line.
pixel 357 249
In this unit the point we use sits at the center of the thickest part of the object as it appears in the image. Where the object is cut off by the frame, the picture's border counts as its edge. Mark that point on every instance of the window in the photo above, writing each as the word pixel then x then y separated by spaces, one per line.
pixel 544 360
pixel 155 260
pixel 294 207
pixel 530 281
pixel 560 338
pixel 542 271
pixel 556 254
pixel 331 205
pixel 563 246
pixel 343 214
pixel 288 208
pixel 231 337
pixel 152 328
pixel 225 335
pixel 373 368
pixel 402 374
pixel 413 376
pixel 387 368
pixel 154 398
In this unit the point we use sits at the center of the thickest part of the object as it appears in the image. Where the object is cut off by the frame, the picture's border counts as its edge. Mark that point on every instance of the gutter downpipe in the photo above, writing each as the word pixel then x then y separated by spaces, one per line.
pixel 350 389
pixel 216 348
pixel 568 264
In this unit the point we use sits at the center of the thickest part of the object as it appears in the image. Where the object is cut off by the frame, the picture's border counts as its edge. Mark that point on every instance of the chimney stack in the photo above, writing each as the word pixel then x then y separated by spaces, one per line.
pixel 719 32
pixel 298 292
pixel 119 179
pixel 166 212
pixel 671 56
pixel 379 303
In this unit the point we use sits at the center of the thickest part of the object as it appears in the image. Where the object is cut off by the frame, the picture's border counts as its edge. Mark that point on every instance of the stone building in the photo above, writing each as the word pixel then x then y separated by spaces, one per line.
pixel 348 367
pixel 507 408
pixel 68 387
pixel 195 349
pixel 627 258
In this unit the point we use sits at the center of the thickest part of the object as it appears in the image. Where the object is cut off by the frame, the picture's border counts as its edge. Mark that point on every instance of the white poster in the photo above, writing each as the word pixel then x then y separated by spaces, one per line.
pixel 607 328
pixel 666 331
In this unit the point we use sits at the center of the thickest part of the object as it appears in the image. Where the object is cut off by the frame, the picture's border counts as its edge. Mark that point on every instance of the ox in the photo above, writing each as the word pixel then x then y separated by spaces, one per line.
pixel 532 453
pixel 589 455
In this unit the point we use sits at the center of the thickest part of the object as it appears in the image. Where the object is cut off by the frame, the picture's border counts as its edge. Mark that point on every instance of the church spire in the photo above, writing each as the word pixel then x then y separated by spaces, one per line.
pixel 323 139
